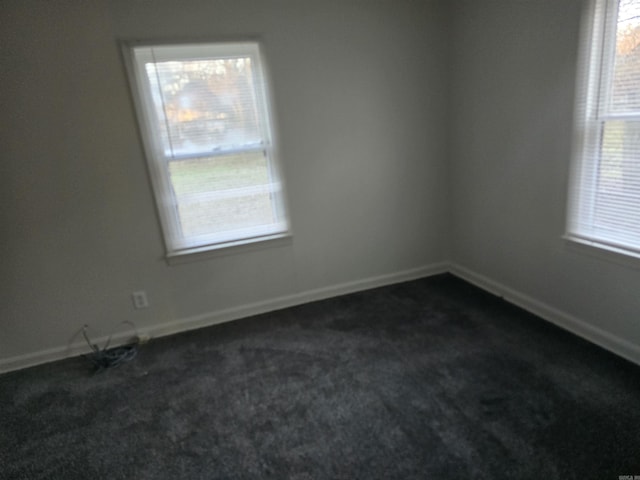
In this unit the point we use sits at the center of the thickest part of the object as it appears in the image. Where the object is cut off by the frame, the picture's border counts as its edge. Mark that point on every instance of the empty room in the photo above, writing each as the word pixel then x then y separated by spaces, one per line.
pixel 320 239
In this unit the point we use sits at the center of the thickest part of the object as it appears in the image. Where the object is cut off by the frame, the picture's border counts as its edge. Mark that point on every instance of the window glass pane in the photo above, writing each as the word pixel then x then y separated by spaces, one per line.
pixel 205 105
pixel 626 73
pixel 222 193
pixel 205 122
pixel 617 201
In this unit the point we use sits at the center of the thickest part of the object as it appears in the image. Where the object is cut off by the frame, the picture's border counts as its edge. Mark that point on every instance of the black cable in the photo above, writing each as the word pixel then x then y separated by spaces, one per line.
pixel 109 357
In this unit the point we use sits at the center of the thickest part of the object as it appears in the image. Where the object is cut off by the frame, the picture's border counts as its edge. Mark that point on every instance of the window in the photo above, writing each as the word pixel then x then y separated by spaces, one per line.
pixel 204 116
pixel 604 208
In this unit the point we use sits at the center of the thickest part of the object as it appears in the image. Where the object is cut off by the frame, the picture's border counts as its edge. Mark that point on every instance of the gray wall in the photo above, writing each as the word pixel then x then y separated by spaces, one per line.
pixel 359 87
pixel 511 107
pixel 412 132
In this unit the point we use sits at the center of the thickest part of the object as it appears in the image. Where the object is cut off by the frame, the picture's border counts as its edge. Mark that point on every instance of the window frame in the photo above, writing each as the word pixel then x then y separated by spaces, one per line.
pixel 176 247
pixel 593 110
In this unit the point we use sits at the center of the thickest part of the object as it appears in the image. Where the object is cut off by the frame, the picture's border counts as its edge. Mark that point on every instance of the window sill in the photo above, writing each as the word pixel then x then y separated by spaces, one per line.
pixel 603 251
pixel 230 248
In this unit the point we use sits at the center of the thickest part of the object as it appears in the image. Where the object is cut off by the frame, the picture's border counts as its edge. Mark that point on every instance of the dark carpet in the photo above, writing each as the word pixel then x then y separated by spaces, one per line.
pixel 431 379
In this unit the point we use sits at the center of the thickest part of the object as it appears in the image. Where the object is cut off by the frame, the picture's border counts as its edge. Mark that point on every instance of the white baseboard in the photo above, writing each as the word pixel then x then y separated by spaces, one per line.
pixel 600 337
pixel 243 311
pixel 59 353
pixel 595 335
pixel 221 316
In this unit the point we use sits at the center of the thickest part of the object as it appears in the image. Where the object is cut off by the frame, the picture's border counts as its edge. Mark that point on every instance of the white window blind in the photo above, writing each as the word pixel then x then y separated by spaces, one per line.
pixel 204 117
pixel 604 207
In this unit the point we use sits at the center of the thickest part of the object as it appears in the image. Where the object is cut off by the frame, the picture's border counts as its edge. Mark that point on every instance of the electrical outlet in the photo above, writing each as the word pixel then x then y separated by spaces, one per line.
pixel 140 299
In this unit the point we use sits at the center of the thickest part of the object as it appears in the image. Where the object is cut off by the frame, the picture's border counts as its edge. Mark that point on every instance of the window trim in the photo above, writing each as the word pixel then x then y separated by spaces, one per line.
pixel 165 209
pixel 602 251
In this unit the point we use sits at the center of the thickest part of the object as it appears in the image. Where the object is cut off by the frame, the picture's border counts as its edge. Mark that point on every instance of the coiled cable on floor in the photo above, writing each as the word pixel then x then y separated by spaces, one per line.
pixel 110 357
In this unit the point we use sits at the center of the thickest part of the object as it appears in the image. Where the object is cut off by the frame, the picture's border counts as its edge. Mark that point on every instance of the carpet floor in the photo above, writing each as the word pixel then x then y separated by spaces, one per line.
pixel 429 379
